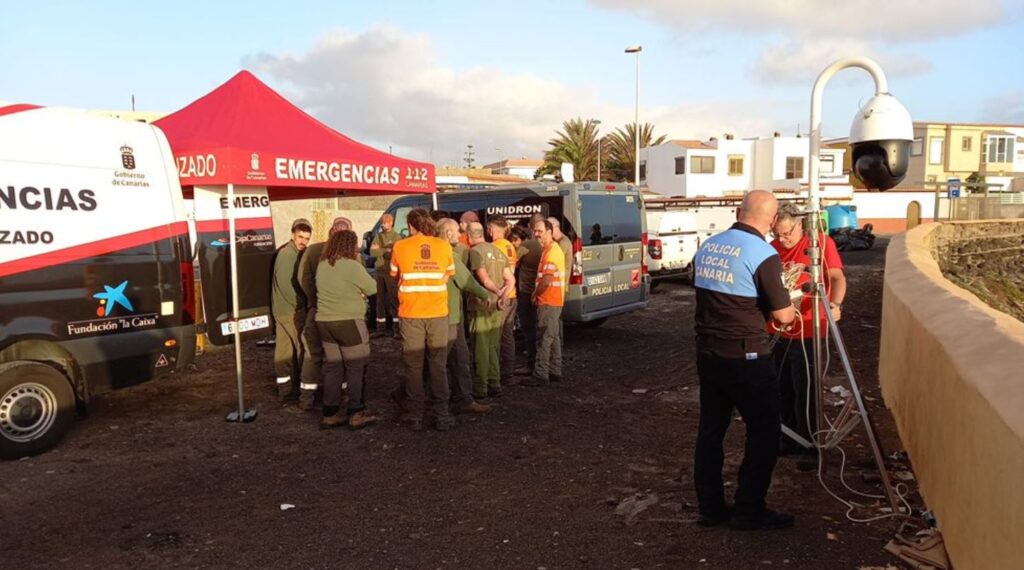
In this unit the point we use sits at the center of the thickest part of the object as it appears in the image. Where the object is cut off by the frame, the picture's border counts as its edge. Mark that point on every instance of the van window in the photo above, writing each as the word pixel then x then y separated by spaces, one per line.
pixel 401 220
pixel 608 219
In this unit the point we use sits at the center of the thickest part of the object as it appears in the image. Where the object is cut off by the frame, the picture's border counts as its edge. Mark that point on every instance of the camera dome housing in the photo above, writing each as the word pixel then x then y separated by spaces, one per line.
pixel 880 137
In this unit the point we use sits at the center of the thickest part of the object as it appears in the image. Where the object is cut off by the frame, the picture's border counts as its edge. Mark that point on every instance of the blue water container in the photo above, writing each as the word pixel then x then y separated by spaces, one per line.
pixel 841 217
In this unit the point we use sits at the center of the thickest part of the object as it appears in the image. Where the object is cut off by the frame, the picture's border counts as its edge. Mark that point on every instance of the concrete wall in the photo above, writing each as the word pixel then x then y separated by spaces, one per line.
pixel 952 373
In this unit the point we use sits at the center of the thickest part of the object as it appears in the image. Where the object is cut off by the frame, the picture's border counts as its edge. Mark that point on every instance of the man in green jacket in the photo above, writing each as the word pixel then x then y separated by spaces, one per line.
pixel 313 350
pixel 288 305
pixel 460 379
pixel 387 286
pixel 490 266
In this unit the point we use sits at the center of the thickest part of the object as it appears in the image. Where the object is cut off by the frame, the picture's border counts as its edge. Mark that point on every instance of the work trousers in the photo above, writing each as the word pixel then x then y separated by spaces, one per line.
pixel 507 355
pixel 750 387
pixel 528 324
pixel 346 348
pixel 288 350
pixel 460 378
pixel 312 354
pixel 387 296
pixel 798 405
pixel 425 341
pixel 485 325
pixel 549 342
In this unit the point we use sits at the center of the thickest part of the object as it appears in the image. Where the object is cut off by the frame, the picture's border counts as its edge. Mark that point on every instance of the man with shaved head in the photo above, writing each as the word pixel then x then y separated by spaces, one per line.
pixel 738 279
pixel 490 266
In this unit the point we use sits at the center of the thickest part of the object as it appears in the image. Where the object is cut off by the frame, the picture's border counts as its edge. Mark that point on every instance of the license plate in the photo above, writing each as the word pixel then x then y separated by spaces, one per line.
pixel 598 279
pixel 246 325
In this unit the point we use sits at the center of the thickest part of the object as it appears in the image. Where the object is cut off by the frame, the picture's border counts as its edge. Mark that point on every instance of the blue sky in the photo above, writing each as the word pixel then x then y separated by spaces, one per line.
pixel 429 78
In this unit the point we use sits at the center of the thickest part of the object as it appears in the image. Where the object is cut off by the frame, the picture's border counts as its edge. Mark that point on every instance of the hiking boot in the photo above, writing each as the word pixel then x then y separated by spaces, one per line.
pixel 526 370
pixel 765 520
pixel 334 421
pixel 494 392
pixel 444 424
pixel 714 518
pixel 473 408
pixel 479 395
pixel 361 419
pixel 398 397
pixel 306 400
pixel 534 382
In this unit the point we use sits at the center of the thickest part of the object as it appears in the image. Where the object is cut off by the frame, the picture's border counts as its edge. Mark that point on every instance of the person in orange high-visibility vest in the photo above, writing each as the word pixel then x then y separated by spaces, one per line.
pixel 548 296
pixel 423 265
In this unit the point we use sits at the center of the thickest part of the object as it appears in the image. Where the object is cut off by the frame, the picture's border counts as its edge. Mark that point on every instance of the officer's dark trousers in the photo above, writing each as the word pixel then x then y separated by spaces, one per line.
pixel 750 387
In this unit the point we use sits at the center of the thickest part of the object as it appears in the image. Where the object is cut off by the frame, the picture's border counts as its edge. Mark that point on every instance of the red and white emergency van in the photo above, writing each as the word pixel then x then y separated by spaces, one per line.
pixel 96 278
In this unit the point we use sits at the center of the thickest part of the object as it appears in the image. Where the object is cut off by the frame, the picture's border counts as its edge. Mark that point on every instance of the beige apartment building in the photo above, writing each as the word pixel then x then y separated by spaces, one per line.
pixel 992 152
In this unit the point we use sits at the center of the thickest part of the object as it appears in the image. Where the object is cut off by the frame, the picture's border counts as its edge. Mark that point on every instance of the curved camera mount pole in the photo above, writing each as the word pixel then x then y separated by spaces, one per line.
pixel 819 299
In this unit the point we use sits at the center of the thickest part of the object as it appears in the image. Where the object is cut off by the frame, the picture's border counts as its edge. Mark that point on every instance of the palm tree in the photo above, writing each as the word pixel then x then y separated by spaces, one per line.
pixel 576 144
pixel 619 148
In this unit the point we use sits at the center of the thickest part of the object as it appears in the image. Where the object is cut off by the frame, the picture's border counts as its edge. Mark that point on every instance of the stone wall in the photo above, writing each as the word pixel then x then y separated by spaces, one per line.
pixel 363 211
pixel 952 373
pixel 987 259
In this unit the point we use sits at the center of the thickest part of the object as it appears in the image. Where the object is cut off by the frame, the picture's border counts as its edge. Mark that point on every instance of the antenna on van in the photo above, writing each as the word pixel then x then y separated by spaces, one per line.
pixel 133 102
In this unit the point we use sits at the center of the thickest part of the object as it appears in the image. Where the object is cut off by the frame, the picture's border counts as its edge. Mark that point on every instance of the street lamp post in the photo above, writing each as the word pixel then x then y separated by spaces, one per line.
pixel 597 122
pixel 636 116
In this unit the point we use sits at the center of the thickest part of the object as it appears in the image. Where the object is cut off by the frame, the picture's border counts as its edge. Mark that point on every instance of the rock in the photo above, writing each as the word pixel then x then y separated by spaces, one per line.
pixel 287 506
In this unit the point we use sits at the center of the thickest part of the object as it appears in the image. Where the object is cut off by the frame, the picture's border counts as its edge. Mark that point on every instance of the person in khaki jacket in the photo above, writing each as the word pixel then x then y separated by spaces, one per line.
pixel 343 286
pixel 288 306
pixel 490 266
pixel 387 287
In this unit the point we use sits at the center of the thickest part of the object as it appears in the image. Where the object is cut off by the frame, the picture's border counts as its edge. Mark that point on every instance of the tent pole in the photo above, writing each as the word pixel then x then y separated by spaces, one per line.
pixel 434 198
pixel 234 299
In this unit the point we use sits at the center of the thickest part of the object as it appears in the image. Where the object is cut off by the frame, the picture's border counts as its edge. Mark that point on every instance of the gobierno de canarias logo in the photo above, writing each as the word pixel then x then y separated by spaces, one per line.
pixel 111 297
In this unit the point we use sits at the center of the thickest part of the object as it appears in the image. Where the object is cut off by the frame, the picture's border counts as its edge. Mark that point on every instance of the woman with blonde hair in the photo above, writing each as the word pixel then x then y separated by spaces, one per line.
pixel 343 286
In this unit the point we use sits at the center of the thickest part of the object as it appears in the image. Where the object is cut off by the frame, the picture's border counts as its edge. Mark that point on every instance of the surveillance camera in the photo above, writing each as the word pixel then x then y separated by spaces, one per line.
pixel 881 137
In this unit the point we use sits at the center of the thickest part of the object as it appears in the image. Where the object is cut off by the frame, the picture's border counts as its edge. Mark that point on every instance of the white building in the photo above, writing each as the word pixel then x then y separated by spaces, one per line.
pixel 521 168
pixel 730 166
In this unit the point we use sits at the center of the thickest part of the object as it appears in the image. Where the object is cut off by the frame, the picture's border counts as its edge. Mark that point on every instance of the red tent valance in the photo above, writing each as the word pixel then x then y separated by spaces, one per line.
pixel 245 133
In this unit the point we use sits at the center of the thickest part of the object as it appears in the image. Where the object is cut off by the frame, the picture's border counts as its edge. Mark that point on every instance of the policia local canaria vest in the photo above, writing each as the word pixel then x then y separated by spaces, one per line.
pixel 738 277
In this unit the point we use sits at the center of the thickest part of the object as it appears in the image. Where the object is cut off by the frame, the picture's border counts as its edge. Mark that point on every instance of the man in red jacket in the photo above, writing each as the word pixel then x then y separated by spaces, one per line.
pixel 796 372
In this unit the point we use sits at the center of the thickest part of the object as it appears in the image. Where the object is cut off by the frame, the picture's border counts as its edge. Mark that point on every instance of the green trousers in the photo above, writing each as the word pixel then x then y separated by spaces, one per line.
pixel 485 326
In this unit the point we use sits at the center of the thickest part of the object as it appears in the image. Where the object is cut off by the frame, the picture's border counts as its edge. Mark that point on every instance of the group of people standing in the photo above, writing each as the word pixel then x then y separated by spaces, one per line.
pixel 446 288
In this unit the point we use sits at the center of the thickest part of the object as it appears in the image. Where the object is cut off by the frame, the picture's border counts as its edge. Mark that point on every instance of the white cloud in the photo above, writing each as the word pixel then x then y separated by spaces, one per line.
pixel 888 20
pixel 1006 108
pixel 386 87
pixel 802 61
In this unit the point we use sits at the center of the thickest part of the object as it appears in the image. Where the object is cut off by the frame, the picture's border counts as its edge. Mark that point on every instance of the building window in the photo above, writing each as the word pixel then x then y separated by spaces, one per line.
pixel 999 149
pixel 827 164
pixel 965 144
pixel 917 148
pixel 702 165
pixel 680 165
pixel 643 170
pixel 794 167
pixel 735 165
pixel 935 150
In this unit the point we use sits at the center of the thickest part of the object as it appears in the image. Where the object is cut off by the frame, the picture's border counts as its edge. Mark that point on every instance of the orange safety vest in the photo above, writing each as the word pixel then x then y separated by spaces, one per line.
pixel 552 262
pixel 423 265
pixel 510 251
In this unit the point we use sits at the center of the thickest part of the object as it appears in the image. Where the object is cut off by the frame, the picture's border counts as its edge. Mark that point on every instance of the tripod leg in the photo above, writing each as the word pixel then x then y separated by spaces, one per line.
pixel 890 493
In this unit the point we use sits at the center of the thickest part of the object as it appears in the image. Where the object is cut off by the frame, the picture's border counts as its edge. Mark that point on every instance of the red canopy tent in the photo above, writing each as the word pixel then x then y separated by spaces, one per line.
pixel 243 133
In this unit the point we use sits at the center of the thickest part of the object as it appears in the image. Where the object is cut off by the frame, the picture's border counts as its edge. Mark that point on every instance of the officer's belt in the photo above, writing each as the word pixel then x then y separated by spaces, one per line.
pixel 732 347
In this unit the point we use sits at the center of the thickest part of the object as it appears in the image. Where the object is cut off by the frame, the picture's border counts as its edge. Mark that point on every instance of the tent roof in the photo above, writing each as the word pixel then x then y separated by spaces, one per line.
pixel 245 133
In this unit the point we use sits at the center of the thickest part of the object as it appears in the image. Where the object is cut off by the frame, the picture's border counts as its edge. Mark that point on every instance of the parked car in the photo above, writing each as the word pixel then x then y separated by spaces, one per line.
pixel 605 221
pixel 96 277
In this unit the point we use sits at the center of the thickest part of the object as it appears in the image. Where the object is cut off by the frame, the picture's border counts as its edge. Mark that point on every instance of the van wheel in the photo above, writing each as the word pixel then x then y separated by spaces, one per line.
pixel 594 323
pixel 37 408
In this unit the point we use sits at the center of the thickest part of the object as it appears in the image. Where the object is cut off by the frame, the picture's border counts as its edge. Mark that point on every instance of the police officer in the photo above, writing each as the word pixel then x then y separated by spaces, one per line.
pixel 288 305
pixel 738 278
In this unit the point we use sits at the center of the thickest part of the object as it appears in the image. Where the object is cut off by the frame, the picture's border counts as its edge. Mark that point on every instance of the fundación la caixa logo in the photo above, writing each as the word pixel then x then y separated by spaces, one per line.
pixel 110 298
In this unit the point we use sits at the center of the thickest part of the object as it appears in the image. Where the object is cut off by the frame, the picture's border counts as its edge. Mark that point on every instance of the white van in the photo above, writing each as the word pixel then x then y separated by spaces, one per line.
pixel 672 243
pixel 96 279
